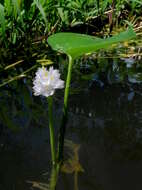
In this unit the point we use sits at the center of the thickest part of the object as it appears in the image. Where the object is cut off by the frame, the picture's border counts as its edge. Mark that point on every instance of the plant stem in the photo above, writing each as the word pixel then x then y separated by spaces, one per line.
pixel 66 95
pixel 51 128
pixel 65 113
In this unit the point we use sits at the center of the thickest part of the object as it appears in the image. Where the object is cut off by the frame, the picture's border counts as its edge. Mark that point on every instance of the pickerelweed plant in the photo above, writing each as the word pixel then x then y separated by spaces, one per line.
pixel 45 84
pixel 73 45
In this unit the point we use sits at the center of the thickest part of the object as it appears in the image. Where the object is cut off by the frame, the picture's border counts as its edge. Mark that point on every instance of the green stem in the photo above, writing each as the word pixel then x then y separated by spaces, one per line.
pixel 66 95
pixel 65 113
pixel 51 128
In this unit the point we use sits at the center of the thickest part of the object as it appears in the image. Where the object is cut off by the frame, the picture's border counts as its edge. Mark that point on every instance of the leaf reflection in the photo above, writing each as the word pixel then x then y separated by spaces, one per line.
pixel 72 164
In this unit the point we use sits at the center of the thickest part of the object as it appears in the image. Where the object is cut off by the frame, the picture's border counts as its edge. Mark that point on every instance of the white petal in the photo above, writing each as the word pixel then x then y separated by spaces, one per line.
pixel 45 82
pixel 59 84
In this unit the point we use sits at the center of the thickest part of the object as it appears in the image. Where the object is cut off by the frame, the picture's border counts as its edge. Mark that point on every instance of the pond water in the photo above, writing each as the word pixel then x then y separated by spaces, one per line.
pixel 103 136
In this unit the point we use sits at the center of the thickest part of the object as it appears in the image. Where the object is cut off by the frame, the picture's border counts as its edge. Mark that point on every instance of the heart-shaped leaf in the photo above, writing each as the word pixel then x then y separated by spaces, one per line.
pixel 75 45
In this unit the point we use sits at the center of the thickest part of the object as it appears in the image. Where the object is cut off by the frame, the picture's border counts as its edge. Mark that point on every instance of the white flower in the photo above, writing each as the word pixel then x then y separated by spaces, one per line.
pixel 46 82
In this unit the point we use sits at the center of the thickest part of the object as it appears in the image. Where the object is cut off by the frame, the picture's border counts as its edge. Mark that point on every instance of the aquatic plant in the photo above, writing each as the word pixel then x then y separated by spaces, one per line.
pixel 45 84
pixel 75 45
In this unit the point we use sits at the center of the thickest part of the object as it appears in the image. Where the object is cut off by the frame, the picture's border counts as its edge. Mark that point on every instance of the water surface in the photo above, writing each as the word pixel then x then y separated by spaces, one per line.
pixel 104 127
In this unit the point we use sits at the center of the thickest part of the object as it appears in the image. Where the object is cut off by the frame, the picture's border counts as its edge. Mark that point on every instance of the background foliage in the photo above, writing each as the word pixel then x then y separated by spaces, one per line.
pixel 22 20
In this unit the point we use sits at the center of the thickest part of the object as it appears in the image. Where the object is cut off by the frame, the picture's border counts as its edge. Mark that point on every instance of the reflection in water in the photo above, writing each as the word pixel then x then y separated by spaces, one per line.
pixel 38 185
pixel 72 164
pixel 47 186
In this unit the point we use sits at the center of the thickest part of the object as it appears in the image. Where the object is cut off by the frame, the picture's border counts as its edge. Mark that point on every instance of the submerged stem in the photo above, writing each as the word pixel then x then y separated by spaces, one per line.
pixel 51 128
pixel 65 113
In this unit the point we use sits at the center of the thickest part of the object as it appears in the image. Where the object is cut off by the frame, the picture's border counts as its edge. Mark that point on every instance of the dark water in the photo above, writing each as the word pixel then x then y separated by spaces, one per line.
pixel 104 129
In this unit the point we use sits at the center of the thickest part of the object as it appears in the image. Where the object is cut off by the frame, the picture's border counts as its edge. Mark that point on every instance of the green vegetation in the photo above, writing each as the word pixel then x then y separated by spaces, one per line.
pixel 26 24
pixel 75 45
pixel 30 28
pixel 33 20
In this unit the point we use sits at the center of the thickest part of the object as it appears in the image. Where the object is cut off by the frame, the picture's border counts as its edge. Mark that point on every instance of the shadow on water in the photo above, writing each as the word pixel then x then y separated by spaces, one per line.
pixel 104 132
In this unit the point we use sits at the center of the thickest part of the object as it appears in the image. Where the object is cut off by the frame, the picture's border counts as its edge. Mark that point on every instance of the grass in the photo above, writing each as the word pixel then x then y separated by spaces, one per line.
pixel 42 15
pixel 26 24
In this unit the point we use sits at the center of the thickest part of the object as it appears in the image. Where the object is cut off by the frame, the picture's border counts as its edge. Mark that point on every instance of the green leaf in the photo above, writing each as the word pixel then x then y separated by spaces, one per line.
pixel 75 45
pixel 8 6
pixel 17 9
pixel 2 19
pixel 39 5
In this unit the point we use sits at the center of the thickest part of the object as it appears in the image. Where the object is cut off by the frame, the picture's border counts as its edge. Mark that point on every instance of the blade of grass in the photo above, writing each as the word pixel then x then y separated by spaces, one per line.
pixel 23 74
pixel 2 20
pixel 12 79
pixel 13 64
pixel 41 9
pixel 8 7
pixel 17 11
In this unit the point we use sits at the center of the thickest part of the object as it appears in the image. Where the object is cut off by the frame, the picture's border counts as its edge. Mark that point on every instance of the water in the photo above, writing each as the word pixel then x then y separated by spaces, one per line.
pixel 104 131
